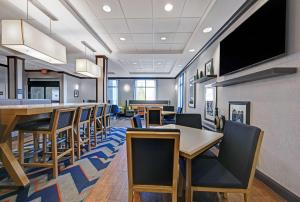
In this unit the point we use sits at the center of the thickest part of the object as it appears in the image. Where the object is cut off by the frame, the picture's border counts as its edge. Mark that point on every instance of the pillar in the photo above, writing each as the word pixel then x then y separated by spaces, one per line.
pixel 101 82
pixel 16 72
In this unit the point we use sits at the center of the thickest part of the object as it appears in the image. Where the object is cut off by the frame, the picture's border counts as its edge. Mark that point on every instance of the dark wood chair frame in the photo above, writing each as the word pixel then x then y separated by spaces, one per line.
pixel 135 188
pixel 148 114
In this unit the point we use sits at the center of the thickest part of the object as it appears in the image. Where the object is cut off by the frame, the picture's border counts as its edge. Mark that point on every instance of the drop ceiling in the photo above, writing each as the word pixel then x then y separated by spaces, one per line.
pixel 141 22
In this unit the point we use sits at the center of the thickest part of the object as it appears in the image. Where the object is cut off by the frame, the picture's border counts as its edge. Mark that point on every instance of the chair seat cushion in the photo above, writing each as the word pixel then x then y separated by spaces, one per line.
pixel 209 172
pixel 37 125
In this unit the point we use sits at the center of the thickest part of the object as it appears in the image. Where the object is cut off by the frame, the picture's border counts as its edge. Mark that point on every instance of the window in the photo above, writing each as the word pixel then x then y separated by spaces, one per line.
pixel 180 87
pixel 145 90
pixel 112 91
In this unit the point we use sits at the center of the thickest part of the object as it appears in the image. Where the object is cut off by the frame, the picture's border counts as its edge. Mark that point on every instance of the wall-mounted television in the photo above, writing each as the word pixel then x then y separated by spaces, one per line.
pixel 259 38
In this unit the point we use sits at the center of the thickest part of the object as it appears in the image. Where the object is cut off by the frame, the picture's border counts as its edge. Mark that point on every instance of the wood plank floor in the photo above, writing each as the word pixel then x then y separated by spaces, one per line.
pixel 112 186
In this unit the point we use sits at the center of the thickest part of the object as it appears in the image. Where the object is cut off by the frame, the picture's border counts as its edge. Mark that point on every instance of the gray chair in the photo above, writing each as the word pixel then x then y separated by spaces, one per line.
pixel 189 120
pixel 233 171
pixel 152 156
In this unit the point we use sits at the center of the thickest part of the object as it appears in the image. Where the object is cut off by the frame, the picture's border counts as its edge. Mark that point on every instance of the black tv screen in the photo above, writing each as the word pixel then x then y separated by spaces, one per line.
pixel 261 37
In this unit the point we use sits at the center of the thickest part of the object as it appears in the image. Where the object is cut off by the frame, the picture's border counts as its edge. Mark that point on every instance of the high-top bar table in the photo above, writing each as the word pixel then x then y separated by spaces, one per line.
pixel 112 185
pixel 9 116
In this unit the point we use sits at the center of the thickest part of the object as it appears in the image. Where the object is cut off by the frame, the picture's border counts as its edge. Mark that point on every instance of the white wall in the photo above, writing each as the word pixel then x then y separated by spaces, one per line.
pixel 165 90
pixel 275 104
pixel 3 83
pixel 87 89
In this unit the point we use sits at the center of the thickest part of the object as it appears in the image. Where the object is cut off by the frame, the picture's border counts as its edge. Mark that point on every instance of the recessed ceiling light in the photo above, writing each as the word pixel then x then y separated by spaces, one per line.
pixel 106 8
pixel 134 63
pixel 192 50
pixel 159 63
pixel 163 38
pixel 207 29
pixel 179 65
pixel 122 39
pixel 168 7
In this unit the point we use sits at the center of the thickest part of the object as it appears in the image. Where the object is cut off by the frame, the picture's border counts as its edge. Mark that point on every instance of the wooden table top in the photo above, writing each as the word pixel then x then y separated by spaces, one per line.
pixel 165 113
pixel 194 141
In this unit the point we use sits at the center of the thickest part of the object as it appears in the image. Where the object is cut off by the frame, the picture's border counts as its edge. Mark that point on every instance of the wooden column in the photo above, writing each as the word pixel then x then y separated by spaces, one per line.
pixel 16 74
pixel 101 82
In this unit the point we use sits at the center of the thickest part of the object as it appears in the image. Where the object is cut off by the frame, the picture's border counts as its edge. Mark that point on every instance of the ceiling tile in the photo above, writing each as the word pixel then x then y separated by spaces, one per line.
pixel 144 47
pixel 142 38
pixel 159 11
pixel 188 24
pixel 166 25
pixel 182 37
pixel 177 47
pixel 115 26
pixel 169 36
pixel 195 8
pixel 96 7
pixel 137 8
pixel 116 38
pixel 140 25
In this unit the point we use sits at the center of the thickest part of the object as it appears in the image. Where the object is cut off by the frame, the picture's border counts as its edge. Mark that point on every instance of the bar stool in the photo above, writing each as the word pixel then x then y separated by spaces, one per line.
pixel 60 125
pixel 154 116
pixel 106 120
pixel 98 122
pixel 83 129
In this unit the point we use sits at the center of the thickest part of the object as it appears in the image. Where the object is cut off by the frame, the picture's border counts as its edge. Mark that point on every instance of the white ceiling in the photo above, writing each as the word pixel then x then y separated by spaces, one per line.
pixel 141 22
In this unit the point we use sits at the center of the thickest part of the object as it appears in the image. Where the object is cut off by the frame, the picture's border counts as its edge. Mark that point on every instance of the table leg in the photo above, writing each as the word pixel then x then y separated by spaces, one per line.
pixel 188 180
pixel 12 166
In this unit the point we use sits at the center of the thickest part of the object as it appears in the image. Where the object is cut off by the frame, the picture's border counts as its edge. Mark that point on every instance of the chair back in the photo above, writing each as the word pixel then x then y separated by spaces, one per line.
pixel 189 120
pixel 239 150
pixel 168 108
pixel 179 110
pixel 152 157
pixel 115 109
pixel 99 109
pixel 63 119
pixel 107 109
pixel 136 122
pixel 84 114
pixel 154 116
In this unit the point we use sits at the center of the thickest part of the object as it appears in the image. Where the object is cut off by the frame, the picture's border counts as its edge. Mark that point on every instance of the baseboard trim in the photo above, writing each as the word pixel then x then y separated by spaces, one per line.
pixel 276 187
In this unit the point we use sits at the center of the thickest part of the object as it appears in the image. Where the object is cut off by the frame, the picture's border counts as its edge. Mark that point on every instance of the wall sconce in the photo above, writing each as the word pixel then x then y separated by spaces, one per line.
pixel 76 87
pixel 176 87
pixel 126 88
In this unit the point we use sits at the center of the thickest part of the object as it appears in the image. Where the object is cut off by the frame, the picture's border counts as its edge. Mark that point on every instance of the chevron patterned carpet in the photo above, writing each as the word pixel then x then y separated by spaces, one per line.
pixel 74 181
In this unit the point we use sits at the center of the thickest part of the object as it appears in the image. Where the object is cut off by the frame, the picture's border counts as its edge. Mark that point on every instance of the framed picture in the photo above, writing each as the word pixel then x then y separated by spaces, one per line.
pixel 209 68
pixel 192 93
pixel 210 103
pixel 239 111
pixel 76 93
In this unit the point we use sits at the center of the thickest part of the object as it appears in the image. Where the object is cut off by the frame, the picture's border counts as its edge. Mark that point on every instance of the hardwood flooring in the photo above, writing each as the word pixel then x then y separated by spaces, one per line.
pixel 112 186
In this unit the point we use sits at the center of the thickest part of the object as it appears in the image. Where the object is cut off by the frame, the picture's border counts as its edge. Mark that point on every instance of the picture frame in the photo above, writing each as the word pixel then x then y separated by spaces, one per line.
pixel 209 68
pixel 76 93
pixel 210 103
pixel 192 93
pixel 239 111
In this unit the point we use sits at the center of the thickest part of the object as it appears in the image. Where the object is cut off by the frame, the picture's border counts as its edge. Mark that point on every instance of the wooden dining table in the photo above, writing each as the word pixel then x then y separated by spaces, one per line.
pixel 10 115
pixel 112 186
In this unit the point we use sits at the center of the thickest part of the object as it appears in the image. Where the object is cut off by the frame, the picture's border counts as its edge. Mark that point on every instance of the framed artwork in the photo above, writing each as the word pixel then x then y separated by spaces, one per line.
pixel 76 93
pixel 192 93
pixel 239 111
pixel 210 103
pixel 209 68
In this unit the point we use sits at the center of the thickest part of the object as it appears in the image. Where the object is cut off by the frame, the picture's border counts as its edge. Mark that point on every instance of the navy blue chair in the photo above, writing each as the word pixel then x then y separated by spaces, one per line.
pixel 152 156
pixel 115 111
pixel 189 120
pixel 136 122
pixel 234 169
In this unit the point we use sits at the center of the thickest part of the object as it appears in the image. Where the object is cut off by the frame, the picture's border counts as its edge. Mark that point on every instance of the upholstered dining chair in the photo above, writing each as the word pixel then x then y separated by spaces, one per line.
pixel 154 116
pixel 233 171
pixel 136 122
pixel 59 127
pixel 152 159
pixel 83 129
pixel 98 122
pixel 189 120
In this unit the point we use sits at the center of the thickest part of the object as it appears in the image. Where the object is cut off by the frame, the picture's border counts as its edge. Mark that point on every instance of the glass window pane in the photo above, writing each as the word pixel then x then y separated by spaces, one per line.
pixel 151 94
pixel 37 92
pixel 140 83
pixel 150 83
pixel 52 93
pixel 140 93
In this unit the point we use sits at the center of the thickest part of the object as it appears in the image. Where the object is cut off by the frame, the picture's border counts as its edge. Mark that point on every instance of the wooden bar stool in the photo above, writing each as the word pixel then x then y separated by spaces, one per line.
pixel 106 120
pixel 98 122
pixel 60 126
pixel 83 128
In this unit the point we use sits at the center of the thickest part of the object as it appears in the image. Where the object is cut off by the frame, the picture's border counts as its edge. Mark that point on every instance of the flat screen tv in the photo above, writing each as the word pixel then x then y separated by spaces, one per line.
pixel 260 38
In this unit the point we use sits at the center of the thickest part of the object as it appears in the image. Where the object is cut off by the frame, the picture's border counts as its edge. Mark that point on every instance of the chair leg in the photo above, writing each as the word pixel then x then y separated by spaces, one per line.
pixel 174 196
pixel 72 146
pixel 95 133
pixel 246 197
pixel 54 155
pixel 130 195
pixel 21 147
pixel 89 136
pixel 78 143
pixel 36 146
pixel 44 147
